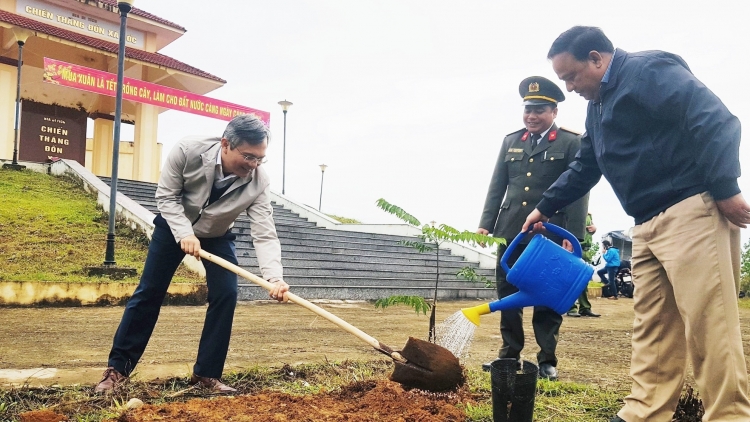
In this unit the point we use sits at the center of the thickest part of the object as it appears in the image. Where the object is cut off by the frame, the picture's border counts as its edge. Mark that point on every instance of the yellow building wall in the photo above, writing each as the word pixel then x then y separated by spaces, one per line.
pixel 8 77
pixel 125 163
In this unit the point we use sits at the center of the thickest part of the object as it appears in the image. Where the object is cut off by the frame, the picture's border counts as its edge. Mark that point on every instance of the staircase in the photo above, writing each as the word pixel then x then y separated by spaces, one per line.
pixel 321 263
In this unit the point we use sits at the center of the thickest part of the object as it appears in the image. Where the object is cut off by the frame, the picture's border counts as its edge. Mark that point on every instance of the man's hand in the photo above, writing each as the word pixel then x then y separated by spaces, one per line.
pixel 535 217
pixel 191 246
pixel 736 210
pixel 567 245
pixel 279 291
pixel 484 232
pixel 591 229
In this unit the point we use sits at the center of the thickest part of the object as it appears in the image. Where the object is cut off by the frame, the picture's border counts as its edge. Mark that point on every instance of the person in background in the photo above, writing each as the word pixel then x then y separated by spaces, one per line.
pixel 530 160
pixel 669 148
pixel 582 307
pixel 608 273
pixel 204 186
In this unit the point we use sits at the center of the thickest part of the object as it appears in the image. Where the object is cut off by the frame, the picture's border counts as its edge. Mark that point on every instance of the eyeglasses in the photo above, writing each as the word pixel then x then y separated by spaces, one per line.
pixel 250 158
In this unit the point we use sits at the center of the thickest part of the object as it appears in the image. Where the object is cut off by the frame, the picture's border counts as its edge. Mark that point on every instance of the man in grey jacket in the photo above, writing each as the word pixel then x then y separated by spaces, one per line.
pixel 204 186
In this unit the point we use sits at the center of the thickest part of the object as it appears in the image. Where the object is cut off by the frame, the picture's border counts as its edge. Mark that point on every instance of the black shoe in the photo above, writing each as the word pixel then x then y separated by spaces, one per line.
pixel 573 314
pixel 547 371
pixel 588 313
pixel 617 419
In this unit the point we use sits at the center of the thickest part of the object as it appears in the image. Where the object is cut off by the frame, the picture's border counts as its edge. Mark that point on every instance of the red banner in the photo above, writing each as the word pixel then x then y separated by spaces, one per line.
pixel 105 83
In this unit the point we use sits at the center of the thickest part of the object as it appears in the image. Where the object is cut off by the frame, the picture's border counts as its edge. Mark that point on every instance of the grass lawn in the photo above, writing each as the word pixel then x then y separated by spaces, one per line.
pixel 50 229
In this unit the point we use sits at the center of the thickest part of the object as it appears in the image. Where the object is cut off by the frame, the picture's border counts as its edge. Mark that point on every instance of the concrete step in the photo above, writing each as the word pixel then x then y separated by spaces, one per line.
pixel 410 276
pixel 313 242
pixel 325 238
pixel 355 281
pixel 448 267
pixel 150 202
pixel 358 255
pixel 400 251
pixel 331 260
pixel 247 292
pixel 242 227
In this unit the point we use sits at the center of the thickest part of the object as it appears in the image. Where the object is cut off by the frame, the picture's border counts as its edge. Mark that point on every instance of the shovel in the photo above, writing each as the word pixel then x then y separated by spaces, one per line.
pixel 420 364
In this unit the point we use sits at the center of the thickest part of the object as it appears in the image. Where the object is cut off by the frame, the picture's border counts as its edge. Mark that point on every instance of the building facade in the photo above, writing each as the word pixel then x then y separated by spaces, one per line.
pixel 54 118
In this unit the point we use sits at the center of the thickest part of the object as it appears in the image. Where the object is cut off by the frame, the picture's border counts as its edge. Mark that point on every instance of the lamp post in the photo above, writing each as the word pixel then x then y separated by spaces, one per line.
pixel 323 168
pixel 284 107
pixel 21 37
pixel 124 6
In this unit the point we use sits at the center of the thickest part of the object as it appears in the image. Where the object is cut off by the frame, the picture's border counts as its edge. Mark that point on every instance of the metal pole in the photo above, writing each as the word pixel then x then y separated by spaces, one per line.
pixel 283 160
pixel 320 202
pixel 16 133
pixel 109 258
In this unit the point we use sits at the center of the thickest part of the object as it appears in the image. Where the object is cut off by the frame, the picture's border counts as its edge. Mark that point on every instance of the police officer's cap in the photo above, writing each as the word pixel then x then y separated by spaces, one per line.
pixel 536 90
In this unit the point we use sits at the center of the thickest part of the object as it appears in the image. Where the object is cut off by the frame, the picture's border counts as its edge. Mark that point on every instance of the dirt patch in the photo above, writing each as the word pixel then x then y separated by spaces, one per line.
pixel 42 416
pixel 367 401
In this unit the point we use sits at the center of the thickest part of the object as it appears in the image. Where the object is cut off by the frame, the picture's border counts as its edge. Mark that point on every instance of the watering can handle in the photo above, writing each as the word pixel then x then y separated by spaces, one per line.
pixel 577 251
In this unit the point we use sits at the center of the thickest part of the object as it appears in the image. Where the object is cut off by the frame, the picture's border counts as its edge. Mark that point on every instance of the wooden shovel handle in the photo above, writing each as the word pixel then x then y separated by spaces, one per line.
pixel 306 304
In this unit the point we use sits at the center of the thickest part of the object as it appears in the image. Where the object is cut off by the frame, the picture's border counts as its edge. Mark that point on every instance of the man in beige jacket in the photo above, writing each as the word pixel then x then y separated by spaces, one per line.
pixel 204 186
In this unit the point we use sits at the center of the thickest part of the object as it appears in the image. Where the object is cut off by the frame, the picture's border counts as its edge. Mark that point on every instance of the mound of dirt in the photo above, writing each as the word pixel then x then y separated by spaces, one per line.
pixel 42 416
pixel 366 401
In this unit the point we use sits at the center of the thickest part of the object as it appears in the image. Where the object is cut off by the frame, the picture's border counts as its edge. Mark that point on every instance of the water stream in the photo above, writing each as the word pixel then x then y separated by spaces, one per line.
pixel 455 334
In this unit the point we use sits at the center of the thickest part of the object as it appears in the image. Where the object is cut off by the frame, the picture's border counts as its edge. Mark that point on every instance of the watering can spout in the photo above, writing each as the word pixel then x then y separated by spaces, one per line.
pixel 516 300
pixel 473 313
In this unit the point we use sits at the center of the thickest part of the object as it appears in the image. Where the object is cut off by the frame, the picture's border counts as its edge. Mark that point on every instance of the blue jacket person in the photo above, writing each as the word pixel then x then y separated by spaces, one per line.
pixel 670 149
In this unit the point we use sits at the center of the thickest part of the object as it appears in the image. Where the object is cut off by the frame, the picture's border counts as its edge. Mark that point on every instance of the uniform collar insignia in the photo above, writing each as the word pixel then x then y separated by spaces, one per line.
pixel 552 135
pixel 525 136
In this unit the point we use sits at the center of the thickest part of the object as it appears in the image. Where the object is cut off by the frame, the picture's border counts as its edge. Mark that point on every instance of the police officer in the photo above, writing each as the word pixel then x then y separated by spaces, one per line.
pixel 530 160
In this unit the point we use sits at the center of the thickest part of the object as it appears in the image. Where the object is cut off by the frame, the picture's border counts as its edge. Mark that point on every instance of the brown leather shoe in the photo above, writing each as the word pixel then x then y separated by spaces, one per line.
pixel 212 384
pixel 111 379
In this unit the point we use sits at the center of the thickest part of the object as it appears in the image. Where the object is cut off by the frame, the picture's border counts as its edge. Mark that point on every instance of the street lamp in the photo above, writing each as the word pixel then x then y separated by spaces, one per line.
pixel 284 107
pixel 323 168
pixel 21 37
pixel 124 6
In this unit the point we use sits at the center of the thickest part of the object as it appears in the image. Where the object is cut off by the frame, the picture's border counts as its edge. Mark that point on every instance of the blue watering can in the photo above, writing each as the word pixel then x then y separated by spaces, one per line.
pixel 545 275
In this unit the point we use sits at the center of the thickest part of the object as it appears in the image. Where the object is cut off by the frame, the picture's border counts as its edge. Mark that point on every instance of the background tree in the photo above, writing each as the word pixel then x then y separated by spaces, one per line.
pixel 430 240
pixel 745 269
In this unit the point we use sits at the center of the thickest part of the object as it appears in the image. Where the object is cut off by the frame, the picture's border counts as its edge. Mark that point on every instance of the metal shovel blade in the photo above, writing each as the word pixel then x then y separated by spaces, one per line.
pixel 428 367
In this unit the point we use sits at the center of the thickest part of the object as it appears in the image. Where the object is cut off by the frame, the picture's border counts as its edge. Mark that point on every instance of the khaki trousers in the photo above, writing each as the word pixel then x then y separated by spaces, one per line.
pixel 686 276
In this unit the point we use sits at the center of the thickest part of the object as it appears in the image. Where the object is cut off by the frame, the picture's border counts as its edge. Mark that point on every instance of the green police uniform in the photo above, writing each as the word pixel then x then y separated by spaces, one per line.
pixel 523 172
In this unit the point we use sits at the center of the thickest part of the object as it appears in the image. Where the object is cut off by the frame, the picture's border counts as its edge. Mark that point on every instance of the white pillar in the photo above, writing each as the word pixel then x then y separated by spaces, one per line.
pixel 103 146
pixel 8 75
pixel 146 152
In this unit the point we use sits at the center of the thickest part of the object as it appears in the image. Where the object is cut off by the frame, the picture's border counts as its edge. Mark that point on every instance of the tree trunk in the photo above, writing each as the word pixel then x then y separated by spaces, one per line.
pixel 431 336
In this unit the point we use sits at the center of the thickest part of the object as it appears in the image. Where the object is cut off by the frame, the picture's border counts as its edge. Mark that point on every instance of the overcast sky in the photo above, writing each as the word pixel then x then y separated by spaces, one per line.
pixel 410 100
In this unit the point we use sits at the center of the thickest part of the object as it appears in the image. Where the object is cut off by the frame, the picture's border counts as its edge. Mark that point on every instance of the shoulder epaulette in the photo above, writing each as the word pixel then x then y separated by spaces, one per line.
pixel 570 130
pixel 519 130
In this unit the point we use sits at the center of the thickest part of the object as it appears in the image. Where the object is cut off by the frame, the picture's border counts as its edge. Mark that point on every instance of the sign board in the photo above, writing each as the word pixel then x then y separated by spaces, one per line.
pixel 51 131
pixel 105 83
pixel 78 22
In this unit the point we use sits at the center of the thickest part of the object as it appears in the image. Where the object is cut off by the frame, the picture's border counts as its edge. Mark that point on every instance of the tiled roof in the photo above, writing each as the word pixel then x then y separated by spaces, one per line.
pixel 133 53
pixel 144 14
